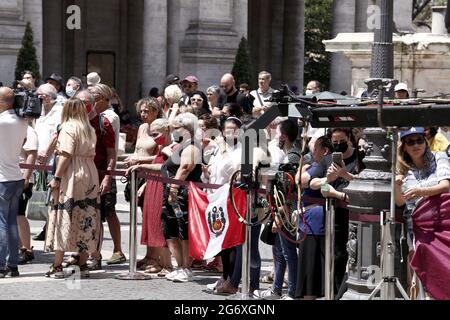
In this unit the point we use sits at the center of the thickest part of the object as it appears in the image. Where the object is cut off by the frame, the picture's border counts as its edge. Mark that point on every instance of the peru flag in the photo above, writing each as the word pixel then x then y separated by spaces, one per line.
pixel 213 225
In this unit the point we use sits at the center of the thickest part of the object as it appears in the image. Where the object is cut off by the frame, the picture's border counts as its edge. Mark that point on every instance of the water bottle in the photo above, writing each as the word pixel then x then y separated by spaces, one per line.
pixel 410 204
pixel 325 187
pixel 177 209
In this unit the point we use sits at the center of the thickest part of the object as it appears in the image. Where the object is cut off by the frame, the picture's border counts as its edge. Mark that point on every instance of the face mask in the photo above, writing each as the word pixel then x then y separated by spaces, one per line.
pixel 88 107
pixel 70 91
pixel 308 92
pixel 231 141
pixel 177 136
pixel 361 154
pixel 161 140
pixel 340 147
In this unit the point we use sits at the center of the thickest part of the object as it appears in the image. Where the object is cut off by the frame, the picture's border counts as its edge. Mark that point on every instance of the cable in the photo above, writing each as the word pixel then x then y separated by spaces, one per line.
pixel 235 209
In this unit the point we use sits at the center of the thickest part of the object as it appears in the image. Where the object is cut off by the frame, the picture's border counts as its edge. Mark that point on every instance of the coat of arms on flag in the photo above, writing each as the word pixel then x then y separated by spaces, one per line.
pixel 213 226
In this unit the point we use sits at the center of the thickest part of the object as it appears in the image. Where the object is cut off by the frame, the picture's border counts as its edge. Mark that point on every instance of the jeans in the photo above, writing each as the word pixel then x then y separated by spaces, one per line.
pixel 285 254
pixel 10 193
pixel 255 262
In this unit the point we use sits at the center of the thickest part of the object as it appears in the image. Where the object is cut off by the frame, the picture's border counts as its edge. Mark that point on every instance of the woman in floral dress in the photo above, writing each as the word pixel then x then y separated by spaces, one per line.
pixel 74 216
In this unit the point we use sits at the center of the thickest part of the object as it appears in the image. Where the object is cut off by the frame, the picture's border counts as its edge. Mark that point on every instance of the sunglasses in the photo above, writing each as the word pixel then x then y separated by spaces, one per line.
pixel 411 142
pixel 196 100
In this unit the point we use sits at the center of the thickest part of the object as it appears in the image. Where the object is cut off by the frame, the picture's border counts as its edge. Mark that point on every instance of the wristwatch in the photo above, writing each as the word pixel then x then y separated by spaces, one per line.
pixel 58 179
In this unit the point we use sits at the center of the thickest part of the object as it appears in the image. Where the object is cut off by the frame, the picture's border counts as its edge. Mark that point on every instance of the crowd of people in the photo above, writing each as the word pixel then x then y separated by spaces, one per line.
pixel 187 135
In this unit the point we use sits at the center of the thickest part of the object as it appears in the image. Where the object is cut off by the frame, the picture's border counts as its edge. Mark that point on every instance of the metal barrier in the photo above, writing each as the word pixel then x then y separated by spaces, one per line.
pixel 132 273
pixel 329 248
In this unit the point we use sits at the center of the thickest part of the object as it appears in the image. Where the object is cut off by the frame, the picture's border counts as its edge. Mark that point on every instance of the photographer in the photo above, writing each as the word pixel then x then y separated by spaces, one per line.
pixel 13 130
pixel 337 176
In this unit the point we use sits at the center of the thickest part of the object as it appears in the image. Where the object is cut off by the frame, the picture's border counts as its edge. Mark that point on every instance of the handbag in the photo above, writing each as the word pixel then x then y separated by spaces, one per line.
pixel 127 191
pixel 37 208
pixel 267 236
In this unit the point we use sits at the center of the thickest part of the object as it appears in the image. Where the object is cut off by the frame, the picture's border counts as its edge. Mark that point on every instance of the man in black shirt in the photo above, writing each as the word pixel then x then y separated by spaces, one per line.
pixel 232 95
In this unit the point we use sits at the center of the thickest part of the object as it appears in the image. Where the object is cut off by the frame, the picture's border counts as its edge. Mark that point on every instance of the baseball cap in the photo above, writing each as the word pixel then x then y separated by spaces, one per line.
pixel 191 79
pixel 412 130
pixel 401 86
pixel 171 79
pixel 93 78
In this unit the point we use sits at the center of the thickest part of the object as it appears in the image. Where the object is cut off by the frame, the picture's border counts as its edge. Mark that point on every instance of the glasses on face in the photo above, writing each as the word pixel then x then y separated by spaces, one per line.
pixel 187 86
pixel 418 141
pixel 197 100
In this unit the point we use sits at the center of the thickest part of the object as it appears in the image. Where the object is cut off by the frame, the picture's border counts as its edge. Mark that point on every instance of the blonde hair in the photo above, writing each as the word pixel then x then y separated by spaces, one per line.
pixel 187 121
pixel 152 103
pixel 102 89
pixel 74 112
pixel 187 109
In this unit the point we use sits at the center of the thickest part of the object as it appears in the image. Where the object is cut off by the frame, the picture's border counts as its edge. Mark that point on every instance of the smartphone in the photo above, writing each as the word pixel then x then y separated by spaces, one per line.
pixel 49 194
pixel 336 157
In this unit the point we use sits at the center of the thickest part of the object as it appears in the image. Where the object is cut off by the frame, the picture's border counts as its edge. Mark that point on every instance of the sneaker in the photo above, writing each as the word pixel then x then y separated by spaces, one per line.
pixel 26 256
pixel 12 272
pixel 173 274
pixel 210 287
pixel 185 275
pixel 268 294
pixel 94 263
pixel 117 258
pixel 55 272
pixel 286 297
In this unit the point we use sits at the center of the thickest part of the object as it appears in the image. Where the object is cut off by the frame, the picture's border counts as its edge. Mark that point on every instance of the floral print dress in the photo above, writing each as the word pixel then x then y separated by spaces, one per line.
pixel 74 222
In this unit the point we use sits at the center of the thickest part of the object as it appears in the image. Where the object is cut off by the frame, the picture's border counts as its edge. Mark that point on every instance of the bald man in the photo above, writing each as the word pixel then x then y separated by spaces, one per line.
pixel 232 95
pixel 13 131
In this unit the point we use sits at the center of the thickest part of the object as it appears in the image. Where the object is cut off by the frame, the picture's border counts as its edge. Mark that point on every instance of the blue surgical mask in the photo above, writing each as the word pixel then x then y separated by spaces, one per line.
pixel 70 92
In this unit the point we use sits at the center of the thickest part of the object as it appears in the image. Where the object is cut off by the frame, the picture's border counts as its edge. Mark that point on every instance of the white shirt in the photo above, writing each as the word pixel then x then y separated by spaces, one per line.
pixel 13 131
pixel 115 123
pixel 32 144
pixel 47 125
pixel 221 167
pixel 263 95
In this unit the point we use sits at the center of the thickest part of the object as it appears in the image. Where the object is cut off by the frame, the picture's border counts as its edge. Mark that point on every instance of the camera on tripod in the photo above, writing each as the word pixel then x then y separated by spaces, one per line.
pixel 27 104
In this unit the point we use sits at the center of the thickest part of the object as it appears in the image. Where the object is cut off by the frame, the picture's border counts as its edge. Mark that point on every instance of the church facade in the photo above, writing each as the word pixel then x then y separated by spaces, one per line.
pixel 134 44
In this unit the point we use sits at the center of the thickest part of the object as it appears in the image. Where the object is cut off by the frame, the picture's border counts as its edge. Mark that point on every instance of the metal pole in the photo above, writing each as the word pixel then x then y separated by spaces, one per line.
pixel 388 291
pixel 329 249
pixel 246 251
pixel 383 48
pixel 132 274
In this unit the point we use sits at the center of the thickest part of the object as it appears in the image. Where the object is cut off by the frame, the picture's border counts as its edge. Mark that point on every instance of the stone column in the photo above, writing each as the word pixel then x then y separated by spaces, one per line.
pixel 154 46
pixel 344 12
pixel 403 16
pixel 53 22
pixel 438 20
pixel 32 11
pixel 211 40
pixel 276 62
pixel 294 43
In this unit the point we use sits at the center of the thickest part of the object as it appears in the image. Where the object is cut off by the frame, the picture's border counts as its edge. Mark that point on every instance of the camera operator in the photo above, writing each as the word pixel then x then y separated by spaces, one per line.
pixel 13 130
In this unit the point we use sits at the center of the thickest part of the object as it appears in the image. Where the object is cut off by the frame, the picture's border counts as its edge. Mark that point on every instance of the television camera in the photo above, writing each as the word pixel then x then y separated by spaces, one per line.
pixel 27 104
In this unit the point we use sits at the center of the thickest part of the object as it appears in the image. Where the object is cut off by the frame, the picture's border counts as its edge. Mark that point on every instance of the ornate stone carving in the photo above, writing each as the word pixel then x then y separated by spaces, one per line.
pixel 352 245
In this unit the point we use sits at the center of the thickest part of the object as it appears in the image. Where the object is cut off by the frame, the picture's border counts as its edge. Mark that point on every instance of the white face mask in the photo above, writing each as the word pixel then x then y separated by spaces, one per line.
pixel 177 136
pixel 70 91
pixel 309 92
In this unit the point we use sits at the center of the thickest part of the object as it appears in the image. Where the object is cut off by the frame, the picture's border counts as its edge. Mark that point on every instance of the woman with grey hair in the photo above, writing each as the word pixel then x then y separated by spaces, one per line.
pixel 213 94
pixel 183 164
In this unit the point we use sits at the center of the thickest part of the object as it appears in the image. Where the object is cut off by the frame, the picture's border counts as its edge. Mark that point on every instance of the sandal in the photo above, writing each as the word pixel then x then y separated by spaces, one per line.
pixel 153 269
pixel 72 261
pixel 226 289
pixel 145 262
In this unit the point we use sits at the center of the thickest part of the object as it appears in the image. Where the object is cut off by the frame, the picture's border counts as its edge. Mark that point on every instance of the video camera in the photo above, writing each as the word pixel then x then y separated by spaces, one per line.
pixel 27 104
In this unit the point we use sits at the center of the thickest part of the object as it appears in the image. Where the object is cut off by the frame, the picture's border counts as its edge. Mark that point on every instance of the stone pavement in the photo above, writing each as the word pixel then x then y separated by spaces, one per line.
pixel 102 285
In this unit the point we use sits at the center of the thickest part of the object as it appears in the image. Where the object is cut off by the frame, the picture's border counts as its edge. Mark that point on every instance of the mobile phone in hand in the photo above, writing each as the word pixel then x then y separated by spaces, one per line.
pixel 336 157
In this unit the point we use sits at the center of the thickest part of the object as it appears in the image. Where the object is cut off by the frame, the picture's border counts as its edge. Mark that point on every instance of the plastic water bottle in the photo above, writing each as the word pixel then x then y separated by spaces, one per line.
pixel 325 187
pixel 410 204
pixel 177 209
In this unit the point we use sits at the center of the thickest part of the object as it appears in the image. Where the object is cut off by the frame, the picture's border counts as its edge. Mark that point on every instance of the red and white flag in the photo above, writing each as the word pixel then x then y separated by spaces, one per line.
pixel 213 225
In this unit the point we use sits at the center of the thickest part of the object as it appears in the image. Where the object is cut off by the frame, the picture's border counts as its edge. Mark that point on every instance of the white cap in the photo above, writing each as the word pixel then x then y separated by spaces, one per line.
pixel 401 86
pixel 93 78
